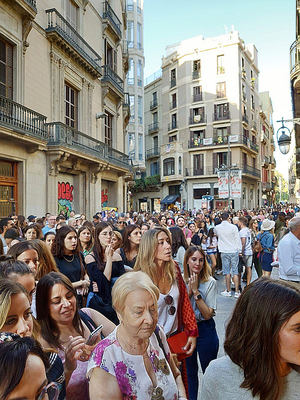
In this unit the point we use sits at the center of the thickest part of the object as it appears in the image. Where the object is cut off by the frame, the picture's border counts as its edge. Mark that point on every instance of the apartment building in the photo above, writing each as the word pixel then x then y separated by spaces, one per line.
pixel 134 84
pixel 208 119
pixel 62 106
pixel 267 148
pixel 295 86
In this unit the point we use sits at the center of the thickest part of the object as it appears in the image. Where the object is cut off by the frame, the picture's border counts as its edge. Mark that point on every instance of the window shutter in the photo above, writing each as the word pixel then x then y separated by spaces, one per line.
pixel 215 161
pixel 115 61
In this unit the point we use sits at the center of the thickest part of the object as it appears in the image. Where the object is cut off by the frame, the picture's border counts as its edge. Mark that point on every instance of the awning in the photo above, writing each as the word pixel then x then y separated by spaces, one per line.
pixel 170 199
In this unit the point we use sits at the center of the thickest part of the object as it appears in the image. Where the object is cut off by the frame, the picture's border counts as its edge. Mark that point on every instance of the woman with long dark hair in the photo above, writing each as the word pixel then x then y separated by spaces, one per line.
pixel 86 241
pixel 70 261
pixel 66 329
pixel 104 265
pixel 131 241
pixel 262 346
pixel 179 245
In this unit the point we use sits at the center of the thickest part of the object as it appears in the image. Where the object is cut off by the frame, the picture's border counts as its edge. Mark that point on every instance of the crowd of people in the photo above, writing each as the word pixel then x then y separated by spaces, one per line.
pixel 149 281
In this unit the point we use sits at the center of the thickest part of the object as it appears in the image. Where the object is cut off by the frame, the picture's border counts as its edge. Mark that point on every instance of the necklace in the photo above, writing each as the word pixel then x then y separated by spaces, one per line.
pixel 69 261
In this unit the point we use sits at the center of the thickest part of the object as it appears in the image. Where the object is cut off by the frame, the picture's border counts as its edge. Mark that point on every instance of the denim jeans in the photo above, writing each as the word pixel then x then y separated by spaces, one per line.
pixel 207 347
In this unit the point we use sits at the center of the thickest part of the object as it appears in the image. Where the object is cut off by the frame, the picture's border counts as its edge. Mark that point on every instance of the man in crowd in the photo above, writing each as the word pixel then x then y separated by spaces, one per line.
pixel 229 244
pixel 181 224
pixel 289 254
pixel 5 224
pixel 51 224
pixel 121 222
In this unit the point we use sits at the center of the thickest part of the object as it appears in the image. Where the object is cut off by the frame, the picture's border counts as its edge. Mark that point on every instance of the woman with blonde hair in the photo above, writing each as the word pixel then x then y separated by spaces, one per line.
pixel 202 290
pixel 46 260
pixel 175 313
pixel 134 360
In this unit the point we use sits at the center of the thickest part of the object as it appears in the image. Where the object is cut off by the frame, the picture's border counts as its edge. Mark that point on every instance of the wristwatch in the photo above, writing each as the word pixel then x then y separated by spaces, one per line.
pixel 197 296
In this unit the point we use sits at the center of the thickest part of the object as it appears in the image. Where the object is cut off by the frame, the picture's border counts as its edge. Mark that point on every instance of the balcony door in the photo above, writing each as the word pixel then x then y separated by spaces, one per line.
pixel 110 56
pixel 8 188
pixel 6 69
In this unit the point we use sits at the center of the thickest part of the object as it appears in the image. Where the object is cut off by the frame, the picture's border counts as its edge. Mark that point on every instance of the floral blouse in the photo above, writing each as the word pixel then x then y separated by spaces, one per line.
pixel 130 372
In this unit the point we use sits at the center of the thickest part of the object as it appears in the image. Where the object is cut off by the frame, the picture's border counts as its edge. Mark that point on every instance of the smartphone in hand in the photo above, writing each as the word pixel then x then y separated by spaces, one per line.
pixel 92 339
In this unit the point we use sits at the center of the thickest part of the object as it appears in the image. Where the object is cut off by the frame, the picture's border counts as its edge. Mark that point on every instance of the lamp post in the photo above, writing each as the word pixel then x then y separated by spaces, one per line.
pixel 284 140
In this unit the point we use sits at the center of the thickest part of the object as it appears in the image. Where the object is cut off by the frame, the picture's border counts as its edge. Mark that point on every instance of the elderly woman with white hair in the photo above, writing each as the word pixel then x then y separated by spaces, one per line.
pixel 134 361
pixel 289 254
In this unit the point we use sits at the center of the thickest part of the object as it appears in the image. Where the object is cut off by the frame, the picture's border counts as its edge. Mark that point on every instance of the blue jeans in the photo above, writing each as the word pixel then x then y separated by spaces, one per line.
pixel 207 347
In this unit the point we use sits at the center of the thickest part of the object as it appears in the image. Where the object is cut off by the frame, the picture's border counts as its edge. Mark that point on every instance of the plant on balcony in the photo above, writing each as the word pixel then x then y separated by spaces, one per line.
pixel 145 184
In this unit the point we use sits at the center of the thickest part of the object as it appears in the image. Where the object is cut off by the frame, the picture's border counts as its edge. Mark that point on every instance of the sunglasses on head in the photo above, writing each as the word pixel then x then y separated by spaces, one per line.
pixel 169 301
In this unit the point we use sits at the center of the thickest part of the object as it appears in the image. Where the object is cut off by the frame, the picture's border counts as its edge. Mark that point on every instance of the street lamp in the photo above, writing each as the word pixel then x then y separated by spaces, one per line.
pixel 284 141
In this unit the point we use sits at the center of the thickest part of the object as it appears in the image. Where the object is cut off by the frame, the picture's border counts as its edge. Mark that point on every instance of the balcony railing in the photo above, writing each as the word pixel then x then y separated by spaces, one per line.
pixel 248 169
pixel 110 15
pixel 173 82
pixel 222 117
pixel 155 152
pixel 153 104
pixel 197 119
pixel 63 135
pixel 246 141
pixel 197 97
pixel 109 75
pixel 126 102
pixel 172 125
pixel 125 50
pixel 31 3
pixel 196 74
pixel 57 24
pixel 193 143
pixel 153 127
pixel 173 104
pixel 22 119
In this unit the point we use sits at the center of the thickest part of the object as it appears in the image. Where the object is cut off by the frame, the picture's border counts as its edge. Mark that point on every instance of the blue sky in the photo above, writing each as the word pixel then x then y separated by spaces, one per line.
pixel 269 24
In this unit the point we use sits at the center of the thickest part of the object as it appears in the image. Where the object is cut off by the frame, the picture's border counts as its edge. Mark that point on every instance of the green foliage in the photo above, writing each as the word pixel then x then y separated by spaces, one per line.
pixel 145 184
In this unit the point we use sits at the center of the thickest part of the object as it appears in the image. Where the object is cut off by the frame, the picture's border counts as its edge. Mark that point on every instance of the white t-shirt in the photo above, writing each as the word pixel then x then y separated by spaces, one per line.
pixel 168 322
pixel 246 233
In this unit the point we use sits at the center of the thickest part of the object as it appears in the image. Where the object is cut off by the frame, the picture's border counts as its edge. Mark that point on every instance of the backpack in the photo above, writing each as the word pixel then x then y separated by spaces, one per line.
pixel 257 247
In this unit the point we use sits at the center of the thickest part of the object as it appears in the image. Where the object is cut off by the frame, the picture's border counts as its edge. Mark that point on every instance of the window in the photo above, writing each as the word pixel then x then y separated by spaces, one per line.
pixel 221 89
pixel 244 159
pixel 140 73
pixel 6 69
pixel 221 135
pixel 252 102
pixel 130 76
pixel 155 118
pixel 243 62
pixel 179 165
pixel 129 5
pixel 220 65
pixel 198 164
pixel 132 108
pixel 196 137
pixel 108 128
pixel 154 168
pixel 172 138
pixel 110 56
pixel 71 106
pixel 221 111
pixel 169 166
pixel 139 35
pixel 174 121
pixel 196 69
pixel 174 189
pixel 197 93
pixel 173 77
pixel 197 115
pixel 155 142
pixel 131 145
pixel 71 13
pixel 139 8
pixel 130 34
pixel 140 109
pixel 141 148
pixel 244 95
pixel 173 101
pixel 220 160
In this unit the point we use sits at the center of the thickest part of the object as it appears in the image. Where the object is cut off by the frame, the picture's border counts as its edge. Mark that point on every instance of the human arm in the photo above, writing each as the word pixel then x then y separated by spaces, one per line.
pixel 206 311
pixel 243 240
pixel 103 386
pixel 100 319
pixel 289 258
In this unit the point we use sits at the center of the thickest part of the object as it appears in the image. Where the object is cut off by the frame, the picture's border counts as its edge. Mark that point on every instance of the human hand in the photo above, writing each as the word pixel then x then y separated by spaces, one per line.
pixel 190 345
pixel 95 287
pixel 109 251
pixel 193 283
pixel 73 350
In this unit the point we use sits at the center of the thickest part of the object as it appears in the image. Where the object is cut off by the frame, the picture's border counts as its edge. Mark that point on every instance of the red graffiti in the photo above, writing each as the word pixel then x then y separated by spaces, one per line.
pixel 104 196
pixel 65 191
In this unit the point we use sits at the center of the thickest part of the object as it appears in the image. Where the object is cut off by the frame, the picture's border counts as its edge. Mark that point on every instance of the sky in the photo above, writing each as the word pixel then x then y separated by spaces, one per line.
pixel 269 24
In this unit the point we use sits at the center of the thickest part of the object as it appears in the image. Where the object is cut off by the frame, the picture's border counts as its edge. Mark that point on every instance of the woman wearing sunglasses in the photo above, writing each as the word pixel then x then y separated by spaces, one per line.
pixel 175 313
pixel 23 370
pixel 202 290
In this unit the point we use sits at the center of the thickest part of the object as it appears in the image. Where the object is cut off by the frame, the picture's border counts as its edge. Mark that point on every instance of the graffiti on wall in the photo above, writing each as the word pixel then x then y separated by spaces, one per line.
pixel 65 198
pixel 104 197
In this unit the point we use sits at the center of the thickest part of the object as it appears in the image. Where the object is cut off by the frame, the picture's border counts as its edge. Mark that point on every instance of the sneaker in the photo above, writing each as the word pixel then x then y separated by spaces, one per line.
pixel 226 293
pixel 237 294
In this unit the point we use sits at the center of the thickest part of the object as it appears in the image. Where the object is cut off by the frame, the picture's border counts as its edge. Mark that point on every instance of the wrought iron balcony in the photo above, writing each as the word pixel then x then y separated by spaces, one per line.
pixel 196 74
pixel 111 18
pixel 110 76
pixel 64 35
pixel 22 120
pixel 172 125
pixel 153 127
pixel 197 97
pixel 63 135
pixel 152 153
pixel 194 143
pixel 32 3
pixel 153 104
pixel 25 7
pixel 248 169
pixel 221 117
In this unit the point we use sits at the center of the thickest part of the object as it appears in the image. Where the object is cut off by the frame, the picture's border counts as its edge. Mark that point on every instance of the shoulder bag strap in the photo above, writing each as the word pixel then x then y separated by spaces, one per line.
pixel 87 320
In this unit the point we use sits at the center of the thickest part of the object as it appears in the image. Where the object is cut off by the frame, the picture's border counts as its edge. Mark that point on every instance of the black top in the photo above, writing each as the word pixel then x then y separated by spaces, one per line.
pixel 104 285
pixel 125 260
pixel 70 266
pixel 56 374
